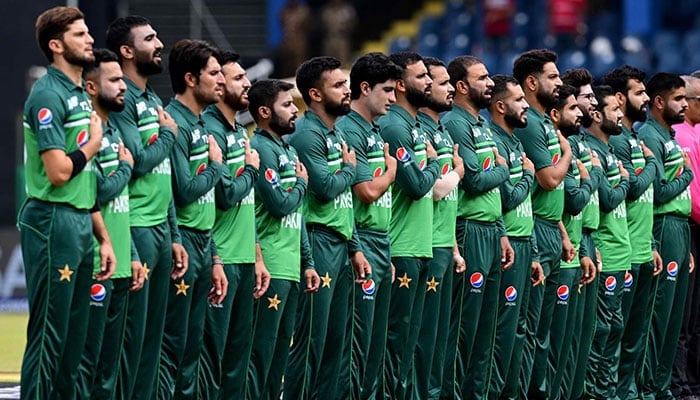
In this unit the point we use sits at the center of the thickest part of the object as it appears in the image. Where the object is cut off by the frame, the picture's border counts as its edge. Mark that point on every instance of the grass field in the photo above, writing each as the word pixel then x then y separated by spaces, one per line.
pixel 12 339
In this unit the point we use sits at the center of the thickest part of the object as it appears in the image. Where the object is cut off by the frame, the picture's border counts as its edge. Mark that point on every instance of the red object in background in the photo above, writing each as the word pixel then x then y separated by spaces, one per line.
pixel 565 16
pixel 498 17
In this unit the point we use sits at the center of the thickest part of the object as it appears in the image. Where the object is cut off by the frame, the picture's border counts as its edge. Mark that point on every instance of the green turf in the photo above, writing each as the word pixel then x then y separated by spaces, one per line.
pixel 12 340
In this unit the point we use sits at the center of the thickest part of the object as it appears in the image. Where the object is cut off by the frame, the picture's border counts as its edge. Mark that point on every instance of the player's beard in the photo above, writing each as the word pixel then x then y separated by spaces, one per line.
pixel 610 127
pixel 568 129
pixel 586 119
pixel 279 126
pixel 438 106
pixel 672 117
pixel 235 101
pixel 635 114
pixel 110 104
pixel 513 119
pixel 337 109
pixel 145 64
pixel 73 58
pixel 417 98
pixel 548 100
pixel 479 99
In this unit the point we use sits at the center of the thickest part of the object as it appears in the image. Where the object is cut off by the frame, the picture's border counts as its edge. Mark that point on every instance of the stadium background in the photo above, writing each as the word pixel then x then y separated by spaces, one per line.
pixel 596 34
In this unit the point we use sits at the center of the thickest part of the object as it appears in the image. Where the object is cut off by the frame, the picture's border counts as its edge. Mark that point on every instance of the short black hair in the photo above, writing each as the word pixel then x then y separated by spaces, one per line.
pixel 405 58
pixel 457 69
pixel 264 93
pixel 309 74
pixel 532 62
pixel 53 24
pixel 119 32
pixel 188 55
pixel 101 56
pixel 433 62
pixel 618 78
pixel 373 68
pixel 601 92
pixel 662 83
pixel 226 56
pixel 500 86
pixel 565 91
pixel 577 77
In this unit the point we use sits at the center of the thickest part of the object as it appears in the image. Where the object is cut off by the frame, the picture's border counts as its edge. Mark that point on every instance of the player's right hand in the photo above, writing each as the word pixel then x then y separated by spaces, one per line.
pixel 312 280
pixel 300 170
pixel 251 156
pixel 527 163
pixel 457 162
pixel 588 269
pixel 389 160
pixel 595 160
pixel 125 154
pixel 430 150
pixel 215 154
pixel 623 171
pixel 582 169
pixel 563 143
pixel 164 119
pixel 686 159
pixel 500 160
pixel 348 155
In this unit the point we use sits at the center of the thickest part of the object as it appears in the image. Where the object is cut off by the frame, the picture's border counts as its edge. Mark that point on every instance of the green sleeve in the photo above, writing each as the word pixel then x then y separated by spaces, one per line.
pixel 535 145
pixel 354 243
pixel 49 135
pixel 534 250
pixel 585 250
pixel 212 248
pixel 277 201
pixel 134 251
pixel 512 195
pixel 610 197
pixel 597 176
pixel 501 226
pixel 148 157
pixel 577 196
pixel 665 191
pixel 172 222
pixel 362 170
pixel 187 188
pixel 409 177
pixel 638 183
pixel 231 190
pixel 323 184
pixel 307 259
pixel 109 187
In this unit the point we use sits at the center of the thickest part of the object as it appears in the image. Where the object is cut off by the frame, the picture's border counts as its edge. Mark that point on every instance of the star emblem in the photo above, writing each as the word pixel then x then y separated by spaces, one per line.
pixel 326 281
pixel 432 285
pixel 274 302
pixel 146 270
pixel 404 280
pixel 181 288
pixel 65 273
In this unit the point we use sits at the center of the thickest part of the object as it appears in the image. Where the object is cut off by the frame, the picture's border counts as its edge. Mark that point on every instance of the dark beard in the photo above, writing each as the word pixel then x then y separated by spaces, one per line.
pixel 235 102
pixel 635 114
pixel 111 105
pixel 437 106
pixel 479 100
pixel 586 119
pixel 671 118
pixel 277 126
pixel 146 66
pixel 548 100
pixel 610 128
pixel 417 98
pixel 513 120
pixel 337 110
pixel 568 130
pixel 74 59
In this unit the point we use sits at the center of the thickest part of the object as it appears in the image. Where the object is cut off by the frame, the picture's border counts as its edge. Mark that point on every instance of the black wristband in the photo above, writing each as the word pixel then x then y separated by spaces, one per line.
pixel 96 207
pixel 79 161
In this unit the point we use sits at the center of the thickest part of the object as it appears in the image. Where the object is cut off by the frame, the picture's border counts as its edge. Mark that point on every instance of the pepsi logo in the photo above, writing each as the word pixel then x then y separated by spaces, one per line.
pixel 201 168
pixel 402 154
pixel 638 170
pixel 672 268
pixel 239 171
pixel 368 287
pixel 563 293
pixel 555 159
pixel 152 138
pixel 486 165
pixel 476 280
pixel 271 176
pixel 629 279
pixel 610 283
pixel 421 165
pixel 445 168
pixel 82 138
pixel 44 116
pixel 511 293
pixel 378 172
pixel 98 292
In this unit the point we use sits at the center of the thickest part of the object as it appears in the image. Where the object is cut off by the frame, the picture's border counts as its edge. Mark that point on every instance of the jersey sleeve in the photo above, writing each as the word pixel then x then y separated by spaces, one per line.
pixel 664 190
pixel 277 201
pixel 362 169
pixel 535 144
pixel 45 114
pixel 109 187
pixel 230 190
pixel 186 187
pixel 610 197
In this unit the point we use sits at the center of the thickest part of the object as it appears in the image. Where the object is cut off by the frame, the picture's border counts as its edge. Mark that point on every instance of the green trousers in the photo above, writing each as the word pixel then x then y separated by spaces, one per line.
pixel 474 314
pixel 317 349
pixel 533 378
pixel 603 362
pixel 672 234
pixel 274 320
pixel 57 248
pixel 586 320
pixel 510 329
pixel 637 307
pixel 184 327
pixel 562 331
pixel 145 317
pixel 228 337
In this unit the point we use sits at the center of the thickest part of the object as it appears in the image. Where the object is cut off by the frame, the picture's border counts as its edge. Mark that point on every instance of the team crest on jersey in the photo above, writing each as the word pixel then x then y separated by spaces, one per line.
pixel 283 160
pixel 610 283
pixel 629 280
pixel 476 280
pixel 511 293
pixel 98 292
pixel 82 138
pixel 581 148
pixel 368 287
pixel 672 268
pixel 271 176
pixel 402 154
pixel 563 293
pixel 414 134
pixel 44 116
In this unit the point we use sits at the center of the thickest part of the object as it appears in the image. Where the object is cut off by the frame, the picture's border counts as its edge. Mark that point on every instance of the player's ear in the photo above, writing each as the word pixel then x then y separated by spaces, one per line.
pixel 126 52
pixel 531 83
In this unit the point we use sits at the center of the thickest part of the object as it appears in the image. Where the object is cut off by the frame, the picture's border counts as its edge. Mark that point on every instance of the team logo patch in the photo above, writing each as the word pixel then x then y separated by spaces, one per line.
pixel 82 138
pixel 445 168
pixel 421 165
pixel 239 171
pixel 487 164
pixel 672 268
pixel 271 176
pixel 98 292
pixel 476 280
pixel 511 293
pixel 201 168
pixel 152 138
pixel 378 172
pixel 555 159
pixel 368 287
pixel 638 170
pixel 610 283
pixel 402 154
pixel 563 293
pixel 44 116
pixel 629 279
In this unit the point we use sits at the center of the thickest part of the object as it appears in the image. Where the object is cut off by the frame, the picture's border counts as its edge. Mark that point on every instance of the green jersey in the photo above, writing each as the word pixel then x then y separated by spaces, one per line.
pixel 671 188
pixel 363 137
pixel 581 151
pixel 541 144
pixel 57 116
pixel 612 236
pixel 113 193
pixel 150 189
pixel 640 197
pixel 479 194
pixel 578 193
pixel 516 202
pixel 234 228
pixel 279 196
pixel 194 176
pixel 445 209
pixel 412 194
pixel 329 198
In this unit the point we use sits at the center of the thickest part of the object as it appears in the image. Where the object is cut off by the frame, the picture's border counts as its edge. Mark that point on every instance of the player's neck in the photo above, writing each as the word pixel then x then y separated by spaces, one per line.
pixel 531 98
pixel 402 102
pixel 429 112
pixel 228 112
pixel 265 125
pixel 191 102
pixel 501 122
pixel 595 131
pixel 463 102
pixel 101 112
pixel 659 118
pixel 361 108
pixel 628 123
pixel 72 71
pixel 129 70
pixel 327 118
